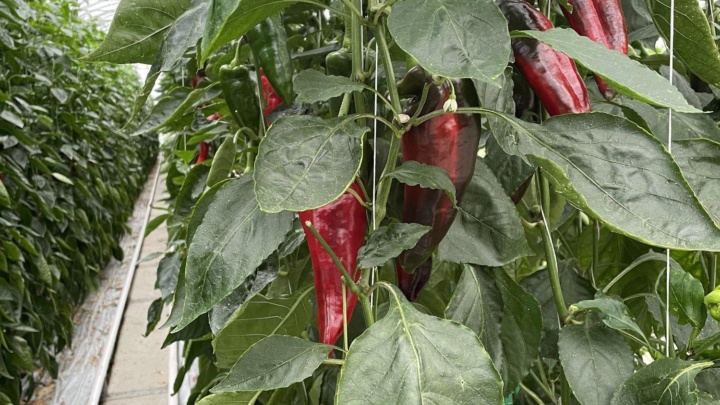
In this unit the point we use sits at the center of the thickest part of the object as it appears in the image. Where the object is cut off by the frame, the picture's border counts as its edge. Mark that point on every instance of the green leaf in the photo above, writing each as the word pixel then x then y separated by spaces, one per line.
pixel 155 223
pixel 505 317
pixel 163 109
pixel 611 169
pixel 614 314
pixel 12 118
pixel 387 242
pixel 625 75
pixel 453 38
pixel 487 230
pixel 231 398
pixel 182 34
pixel 694 42
pixel 414 173
pixel 596 360
pixel 187 105
pixel 686 297
pixel 137 30
pixel 222 162
pixel 261 317
pixel 664 381
pixel 296 157
pixel 699 161
pixel 229 19
pixel 230 243
pixel 313 86
pixel 63 178
pixel 5 200
pixel 411 358
pixel 274 362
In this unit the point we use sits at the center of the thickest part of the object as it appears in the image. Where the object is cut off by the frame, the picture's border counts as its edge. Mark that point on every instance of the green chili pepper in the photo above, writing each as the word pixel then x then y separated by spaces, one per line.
pixel 239 88
pixel 268 41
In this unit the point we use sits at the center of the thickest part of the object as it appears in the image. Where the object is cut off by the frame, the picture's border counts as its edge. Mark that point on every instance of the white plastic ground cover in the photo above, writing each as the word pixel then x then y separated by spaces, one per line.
pixel 83 368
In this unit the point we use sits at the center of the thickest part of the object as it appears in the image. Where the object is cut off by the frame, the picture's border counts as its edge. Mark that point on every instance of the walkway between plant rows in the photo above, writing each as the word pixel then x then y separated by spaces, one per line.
pixel 139 372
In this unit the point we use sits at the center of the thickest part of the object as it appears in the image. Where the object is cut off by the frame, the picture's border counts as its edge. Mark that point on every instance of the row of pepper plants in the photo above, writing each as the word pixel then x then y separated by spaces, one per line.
pixel 69 179
pixel 492 183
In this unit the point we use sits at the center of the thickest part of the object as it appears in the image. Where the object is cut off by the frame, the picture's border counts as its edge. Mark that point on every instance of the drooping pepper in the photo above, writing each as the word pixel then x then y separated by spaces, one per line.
pixel 342 225
pixel 268 41
pixel 450 142
pixel 602 21
pixel 552 75
pixel 239 87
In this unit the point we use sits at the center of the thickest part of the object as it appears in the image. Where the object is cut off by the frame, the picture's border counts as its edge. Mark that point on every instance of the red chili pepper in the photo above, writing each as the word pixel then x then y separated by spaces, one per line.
pixel 198 78
pixel 342 225
pixel 552 75
pixel 602 21
pixel 214 117
pixel 450 142
pixel 271 99
pixel 204 152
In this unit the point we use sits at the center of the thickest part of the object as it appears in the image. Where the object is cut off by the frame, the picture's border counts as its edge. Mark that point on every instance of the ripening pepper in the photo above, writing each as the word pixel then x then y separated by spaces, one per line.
pixel 342 224
pixel 271 99
pixel 552 75
pixel 602 21
pixel 450 142
pixel 268 41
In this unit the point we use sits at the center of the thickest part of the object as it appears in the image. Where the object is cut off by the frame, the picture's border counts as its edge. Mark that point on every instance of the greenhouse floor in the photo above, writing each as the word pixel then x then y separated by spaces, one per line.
pixel 111 362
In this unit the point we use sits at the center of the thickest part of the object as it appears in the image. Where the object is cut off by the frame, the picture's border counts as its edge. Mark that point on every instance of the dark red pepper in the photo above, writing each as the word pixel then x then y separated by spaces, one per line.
pixel 602 21
pixel 552 75
pixel 342 224
pixel 450 142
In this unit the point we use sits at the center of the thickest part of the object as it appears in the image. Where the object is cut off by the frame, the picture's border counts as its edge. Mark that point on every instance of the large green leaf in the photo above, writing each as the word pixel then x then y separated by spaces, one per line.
pixel 305 162
pixel 665 381
pixel 387 242
pixel 614 314
pixel 231 242
pixel 614 171
pixel 487 230
pixel 313 86
pixel 228 20
pixel 453 38
pixel 505 317
pixel 699 161
pixel 274 362
pixel 411 358
pixel 138 29
pixel 625 75
pixel 182 34
pixel 686 297
pixel 231 398
pixel 596 360
pixel 694 42
pixel 414 173
pixel 260 317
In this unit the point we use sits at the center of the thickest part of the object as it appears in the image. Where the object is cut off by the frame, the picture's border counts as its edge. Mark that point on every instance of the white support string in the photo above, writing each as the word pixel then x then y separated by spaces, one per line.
pixel 668 331
pixel 374 167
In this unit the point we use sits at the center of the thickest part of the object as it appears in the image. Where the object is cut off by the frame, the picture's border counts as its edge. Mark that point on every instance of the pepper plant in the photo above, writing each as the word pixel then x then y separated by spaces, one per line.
pixel 69 178
pixel 505 225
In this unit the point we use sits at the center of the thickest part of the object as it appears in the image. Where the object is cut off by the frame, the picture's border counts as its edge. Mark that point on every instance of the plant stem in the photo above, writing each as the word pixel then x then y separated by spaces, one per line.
pixel 543 385
pixel 334 362
pixel 345 319
pixel 384 186
pixel 552 265
pixel 531 394
pixel 349 281
pixel 565 391
pixel 713 271
pixel 367 310
pixel 356 48
pixel 595 251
